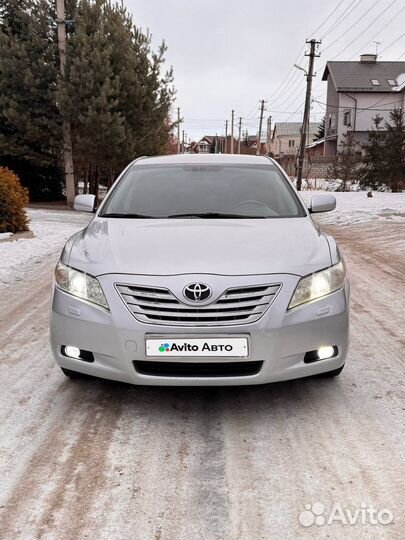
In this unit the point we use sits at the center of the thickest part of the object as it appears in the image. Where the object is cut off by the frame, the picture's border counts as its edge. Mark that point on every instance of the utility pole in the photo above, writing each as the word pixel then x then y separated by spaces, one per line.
pixel 182 144
pixel 312 54
pixel 226 137
pixel 268 134
pixel 66 131
pixel 260 128
pixel 232 123
pixel 239 134
pixel 178 130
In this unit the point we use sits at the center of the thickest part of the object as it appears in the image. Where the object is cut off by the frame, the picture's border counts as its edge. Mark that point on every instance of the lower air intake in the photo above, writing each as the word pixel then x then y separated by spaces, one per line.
pixel 198 369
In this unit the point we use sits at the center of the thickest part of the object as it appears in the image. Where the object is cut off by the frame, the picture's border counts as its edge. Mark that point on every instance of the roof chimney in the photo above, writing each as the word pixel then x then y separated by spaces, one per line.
pixel 368 58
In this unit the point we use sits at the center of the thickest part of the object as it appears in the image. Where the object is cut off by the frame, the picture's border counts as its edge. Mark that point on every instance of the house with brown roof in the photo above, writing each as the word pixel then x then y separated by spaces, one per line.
pixel 356 93
pixel 204 144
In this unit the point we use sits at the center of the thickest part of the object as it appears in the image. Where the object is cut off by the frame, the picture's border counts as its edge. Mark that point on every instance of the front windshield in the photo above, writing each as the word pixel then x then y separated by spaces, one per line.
pixel 217 191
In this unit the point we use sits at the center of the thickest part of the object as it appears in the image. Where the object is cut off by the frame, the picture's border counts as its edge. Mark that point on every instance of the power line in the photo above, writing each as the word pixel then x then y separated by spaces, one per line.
pixel 300 55
pixel 360 49
pixel 337 23
pixel 365 29
pixel 342 18
pixel 288 79
pixel 291 76
pixel 294 94
pixel 352 26
pixel 393 42
pixel 297 111
pixel 291 86
pixel 328 17
pixel 370 108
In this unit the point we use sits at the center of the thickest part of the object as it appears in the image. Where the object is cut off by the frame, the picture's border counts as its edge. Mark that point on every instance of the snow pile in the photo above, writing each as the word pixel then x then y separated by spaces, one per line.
pixel 356 207
pixel 5 235
pixel 51 229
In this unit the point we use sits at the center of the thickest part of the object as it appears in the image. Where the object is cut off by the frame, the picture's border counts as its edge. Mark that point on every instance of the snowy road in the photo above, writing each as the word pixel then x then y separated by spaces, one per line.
pixel 101 460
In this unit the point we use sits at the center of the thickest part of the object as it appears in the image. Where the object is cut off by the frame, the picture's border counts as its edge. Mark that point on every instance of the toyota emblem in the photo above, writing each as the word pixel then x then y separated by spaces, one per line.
pixel 197 292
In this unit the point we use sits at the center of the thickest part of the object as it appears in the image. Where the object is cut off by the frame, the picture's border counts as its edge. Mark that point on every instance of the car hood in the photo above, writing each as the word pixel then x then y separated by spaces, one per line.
pixel 198 246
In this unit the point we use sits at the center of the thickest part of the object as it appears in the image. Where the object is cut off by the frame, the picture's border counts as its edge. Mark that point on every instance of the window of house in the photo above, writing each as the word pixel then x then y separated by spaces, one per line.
pixel 332 121
pixel 391 82
pixel 291 143
pixel 375 82
pixel 347 118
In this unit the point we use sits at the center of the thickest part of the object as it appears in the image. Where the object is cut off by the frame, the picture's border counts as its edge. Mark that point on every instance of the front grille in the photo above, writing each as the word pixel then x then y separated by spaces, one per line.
pixel 156 305
pixel 199 369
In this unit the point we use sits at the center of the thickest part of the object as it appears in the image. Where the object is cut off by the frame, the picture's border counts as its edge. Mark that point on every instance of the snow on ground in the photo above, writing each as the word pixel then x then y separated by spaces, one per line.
pixel 5 235
pixel 355 207
pixel 51 229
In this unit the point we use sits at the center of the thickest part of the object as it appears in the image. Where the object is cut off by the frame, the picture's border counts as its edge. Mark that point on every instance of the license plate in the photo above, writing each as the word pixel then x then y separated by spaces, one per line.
pixel 165 347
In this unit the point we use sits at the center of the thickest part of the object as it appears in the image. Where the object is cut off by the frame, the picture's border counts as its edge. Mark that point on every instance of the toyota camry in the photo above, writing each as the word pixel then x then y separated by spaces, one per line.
pixel 201 270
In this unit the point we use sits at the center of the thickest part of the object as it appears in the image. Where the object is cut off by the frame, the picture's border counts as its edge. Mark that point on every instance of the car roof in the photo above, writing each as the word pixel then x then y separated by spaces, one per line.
pixel 174 159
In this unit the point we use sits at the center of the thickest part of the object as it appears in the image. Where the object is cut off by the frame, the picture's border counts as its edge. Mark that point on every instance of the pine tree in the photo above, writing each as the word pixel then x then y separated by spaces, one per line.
pixel 89 95
pixel 345 168
pixel 321 130
pixel 395 150
pixel 373 174
pixel 384 162
pixel 115 97
pixel 30 126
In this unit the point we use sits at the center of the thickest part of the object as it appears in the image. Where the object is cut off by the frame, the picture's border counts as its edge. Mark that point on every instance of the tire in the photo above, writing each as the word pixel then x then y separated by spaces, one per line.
pixel 72 374
pixel 330 374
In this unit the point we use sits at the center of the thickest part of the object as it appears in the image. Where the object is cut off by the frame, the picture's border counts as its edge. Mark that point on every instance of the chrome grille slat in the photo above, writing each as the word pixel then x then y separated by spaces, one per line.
pixel 265 299
pixel 176 306
pixel 135 299
pixel 238 305
pixel 229 296
pixel 201 314
pixel 134 291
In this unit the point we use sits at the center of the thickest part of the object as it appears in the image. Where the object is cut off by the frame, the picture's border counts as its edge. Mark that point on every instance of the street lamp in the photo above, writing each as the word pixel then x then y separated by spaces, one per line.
pixel 300 68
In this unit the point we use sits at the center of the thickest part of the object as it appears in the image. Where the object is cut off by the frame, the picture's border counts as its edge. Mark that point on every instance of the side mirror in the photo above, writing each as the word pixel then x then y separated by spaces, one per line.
pixel 85 203
pixel 322 203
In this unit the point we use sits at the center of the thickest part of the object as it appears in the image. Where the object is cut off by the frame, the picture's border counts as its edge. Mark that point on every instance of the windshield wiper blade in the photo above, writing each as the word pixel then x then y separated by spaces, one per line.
pixel 214 215
pixel 127 216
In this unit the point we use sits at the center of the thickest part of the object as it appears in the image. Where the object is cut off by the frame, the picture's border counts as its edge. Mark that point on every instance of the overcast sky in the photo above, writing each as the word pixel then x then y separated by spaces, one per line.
pixel 229 54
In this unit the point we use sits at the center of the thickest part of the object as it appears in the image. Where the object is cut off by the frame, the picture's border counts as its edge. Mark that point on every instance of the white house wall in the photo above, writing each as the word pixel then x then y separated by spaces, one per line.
pixel 364 118
pixel 332 110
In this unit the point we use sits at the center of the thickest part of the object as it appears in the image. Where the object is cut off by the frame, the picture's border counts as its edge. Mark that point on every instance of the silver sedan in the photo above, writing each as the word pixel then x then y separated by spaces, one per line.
pixel 201 270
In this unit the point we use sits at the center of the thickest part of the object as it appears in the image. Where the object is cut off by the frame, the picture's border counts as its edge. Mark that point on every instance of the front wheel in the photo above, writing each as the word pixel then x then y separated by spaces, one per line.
pixel 333 373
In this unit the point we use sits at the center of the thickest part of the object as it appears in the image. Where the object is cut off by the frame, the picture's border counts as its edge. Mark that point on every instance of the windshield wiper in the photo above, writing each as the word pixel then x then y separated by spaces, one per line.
pixel 127 216
pixel 214 215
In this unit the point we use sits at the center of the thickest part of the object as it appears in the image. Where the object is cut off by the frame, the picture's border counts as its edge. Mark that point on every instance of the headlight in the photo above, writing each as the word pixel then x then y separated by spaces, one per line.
pixel 80 284
pixel 319 284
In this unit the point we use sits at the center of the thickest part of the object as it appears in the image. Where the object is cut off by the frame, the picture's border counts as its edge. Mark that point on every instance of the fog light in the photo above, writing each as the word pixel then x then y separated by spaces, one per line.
pixel 73 352
pixel 325 352
pixel 78 354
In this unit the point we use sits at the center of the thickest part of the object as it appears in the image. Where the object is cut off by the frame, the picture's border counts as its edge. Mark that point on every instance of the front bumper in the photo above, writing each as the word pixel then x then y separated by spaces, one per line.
pixel 279 339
